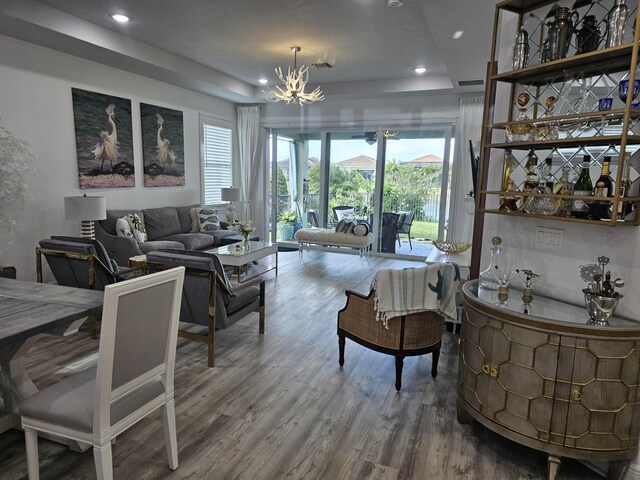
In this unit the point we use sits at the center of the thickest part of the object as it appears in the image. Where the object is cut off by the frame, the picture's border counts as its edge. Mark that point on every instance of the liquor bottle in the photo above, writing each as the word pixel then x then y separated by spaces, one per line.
pixel 531 177
pixel 604 184
pixel 625 208
pixel 584 187
pixel 550 178
pixel 564 186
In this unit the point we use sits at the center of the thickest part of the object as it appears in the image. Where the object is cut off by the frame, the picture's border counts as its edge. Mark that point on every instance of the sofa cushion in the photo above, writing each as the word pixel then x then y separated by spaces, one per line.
pixel 192 241
pixel 147 247
pixel 184 217
pixel 109 224
pixel 161 222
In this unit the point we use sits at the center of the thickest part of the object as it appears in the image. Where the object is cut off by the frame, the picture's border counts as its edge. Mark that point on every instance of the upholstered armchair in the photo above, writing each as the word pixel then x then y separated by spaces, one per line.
pixel 403 314
pixel 209 299
pixel 81 263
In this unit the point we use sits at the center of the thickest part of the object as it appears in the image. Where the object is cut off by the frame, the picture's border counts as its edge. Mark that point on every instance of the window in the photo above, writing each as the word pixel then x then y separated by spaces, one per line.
pixel 216 158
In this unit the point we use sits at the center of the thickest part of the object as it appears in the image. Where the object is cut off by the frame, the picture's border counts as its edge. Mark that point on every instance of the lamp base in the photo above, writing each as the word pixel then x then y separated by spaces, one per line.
pixel 88 230
pixel 231 213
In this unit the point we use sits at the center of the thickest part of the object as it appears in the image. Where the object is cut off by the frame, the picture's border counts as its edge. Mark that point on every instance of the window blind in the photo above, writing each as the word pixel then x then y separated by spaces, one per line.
pixel 216 161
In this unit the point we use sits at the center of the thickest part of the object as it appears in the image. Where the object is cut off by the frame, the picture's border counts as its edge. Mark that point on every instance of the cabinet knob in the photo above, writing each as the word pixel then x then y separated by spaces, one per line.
pixel 576 395
pixel 494 372
pixel 486 369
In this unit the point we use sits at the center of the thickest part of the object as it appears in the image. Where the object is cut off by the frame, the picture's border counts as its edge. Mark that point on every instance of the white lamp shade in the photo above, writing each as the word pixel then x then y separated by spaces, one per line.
pixel 230 194
pixel 85 208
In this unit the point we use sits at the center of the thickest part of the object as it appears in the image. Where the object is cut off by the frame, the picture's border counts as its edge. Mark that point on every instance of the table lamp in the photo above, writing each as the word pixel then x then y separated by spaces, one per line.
pixel 86 209
pixel 230 195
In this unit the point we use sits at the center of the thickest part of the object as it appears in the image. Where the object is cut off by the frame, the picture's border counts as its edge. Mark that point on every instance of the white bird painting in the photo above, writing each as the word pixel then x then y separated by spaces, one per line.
pixel 107 146
pixel 165 155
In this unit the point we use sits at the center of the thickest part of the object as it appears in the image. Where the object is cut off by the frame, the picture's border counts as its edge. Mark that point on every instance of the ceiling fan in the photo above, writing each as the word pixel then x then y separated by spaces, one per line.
pixel 372 137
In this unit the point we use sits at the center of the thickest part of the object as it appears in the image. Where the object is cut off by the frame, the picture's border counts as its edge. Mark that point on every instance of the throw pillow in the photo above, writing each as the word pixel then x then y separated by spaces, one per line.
pixel 137 227
pixel 208 220
pixel 340 226
pixel 195 221
pixel 122 228
pixel 350 227
pixel 361 230
pixel 345 214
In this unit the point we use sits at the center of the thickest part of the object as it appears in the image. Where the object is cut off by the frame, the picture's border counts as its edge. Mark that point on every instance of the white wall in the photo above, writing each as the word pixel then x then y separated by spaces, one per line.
pixel 35 105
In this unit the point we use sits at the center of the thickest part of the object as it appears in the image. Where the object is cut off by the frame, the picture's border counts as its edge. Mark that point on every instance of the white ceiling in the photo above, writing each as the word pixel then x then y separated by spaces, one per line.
pixel 222 47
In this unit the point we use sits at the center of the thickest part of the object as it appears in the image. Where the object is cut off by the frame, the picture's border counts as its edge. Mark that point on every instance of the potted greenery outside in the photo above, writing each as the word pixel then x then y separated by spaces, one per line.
pixel 286 225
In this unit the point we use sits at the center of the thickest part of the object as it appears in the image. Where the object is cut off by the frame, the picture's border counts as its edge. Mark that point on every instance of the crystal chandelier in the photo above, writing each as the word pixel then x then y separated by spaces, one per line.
pixel 294 84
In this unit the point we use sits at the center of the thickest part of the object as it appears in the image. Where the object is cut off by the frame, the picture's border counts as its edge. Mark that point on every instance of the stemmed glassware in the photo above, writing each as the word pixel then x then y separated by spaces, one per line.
pixel 528 278
pixel 503 277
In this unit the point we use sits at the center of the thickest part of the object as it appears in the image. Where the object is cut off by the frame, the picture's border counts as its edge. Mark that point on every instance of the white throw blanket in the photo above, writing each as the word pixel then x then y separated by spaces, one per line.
pixel 401 292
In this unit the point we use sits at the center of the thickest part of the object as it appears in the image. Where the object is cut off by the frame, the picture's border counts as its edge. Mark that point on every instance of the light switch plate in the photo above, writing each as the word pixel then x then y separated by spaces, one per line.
pixel 549 238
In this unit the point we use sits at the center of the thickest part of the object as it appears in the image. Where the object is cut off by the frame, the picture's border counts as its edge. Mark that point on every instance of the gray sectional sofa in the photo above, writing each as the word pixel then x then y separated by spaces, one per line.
pixel 167 227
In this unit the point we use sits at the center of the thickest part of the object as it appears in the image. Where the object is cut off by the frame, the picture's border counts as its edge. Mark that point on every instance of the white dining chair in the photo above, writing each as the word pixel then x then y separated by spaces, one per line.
pixel 133 377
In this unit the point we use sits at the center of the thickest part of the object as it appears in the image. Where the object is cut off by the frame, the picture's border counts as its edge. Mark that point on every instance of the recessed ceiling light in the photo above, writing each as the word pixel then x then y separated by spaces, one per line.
pixel 457 35
pixel 120 17
pixel 395 3
pixel 419 69
pixel 263 81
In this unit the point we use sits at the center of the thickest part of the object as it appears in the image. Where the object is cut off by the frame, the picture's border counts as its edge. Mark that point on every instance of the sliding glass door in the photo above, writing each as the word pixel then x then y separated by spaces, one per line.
pixel 415 189
pixel 396 180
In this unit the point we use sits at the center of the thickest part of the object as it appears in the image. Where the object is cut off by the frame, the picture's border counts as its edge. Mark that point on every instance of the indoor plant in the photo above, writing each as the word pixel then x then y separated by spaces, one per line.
pixel 245 228
pixel 16 160
pixel 286 224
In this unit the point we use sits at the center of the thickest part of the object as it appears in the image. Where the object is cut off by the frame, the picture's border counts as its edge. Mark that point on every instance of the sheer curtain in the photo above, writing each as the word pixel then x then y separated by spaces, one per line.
pixel 462 207
pixel 252 168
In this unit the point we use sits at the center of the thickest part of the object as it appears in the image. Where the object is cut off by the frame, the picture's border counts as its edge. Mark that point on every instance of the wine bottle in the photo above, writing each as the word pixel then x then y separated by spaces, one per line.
pixel 584 187
pixel 625 208
pixel 604 184
pixel 531 177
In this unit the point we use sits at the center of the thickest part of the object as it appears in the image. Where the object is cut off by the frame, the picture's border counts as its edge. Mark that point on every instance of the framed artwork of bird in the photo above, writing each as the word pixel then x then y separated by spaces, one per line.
pixel 162 146
pixel 104 140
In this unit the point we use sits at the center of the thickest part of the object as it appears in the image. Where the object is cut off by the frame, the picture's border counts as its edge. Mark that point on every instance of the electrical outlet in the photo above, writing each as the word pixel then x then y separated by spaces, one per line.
pixel 549 238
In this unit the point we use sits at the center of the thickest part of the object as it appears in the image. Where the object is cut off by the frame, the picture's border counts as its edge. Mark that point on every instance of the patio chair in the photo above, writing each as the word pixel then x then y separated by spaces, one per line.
pixel 404 226
pixel 209 299
pixel 133 378
pixel 343 212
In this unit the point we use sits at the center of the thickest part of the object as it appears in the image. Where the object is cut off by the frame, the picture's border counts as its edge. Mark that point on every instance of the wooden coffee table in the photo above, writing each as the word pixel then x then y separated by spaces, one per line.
pixel 246 260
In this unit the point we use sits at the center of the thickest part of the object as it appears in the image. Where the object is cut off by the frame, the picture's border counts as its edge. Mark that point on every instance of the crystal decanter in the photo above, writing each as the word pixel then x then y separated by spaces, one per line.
pixel 520 130
pixel 541 205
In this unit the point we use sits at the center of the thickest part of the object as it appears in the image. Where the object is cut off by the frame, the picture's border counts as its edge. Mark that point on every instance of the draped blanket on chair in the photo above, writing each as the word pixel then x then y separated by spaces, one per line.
pixel 401 292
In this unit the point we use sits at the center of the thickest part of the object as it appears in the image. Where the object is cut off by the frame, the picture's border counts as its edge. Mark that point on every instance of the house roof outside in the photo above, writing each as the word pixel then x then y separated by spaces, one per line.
pixel 361 162
pixel 424 161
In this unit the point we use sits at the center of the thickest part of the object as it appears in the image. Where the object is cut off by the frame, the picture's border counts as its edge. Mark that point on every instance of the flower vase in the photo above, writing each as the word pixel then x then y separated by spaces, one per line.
pixel 245 241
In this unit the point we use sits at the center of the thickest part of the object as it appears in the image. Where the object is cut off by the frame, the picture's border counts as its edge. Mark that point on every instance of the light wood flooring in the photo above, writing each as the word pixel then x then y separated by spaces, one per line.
pixel 278 406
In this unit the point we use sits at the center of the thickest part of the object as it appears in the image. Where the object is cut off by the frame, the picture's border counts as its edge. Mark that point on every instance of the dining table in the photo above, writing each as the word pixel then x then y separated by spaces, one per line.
pixel 27 311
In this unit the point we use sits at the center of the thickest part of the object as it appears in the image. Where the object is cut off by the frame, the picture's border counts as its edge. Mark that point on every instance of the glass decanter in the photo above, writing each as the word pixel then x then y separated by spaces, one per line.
pixel 520 132
pixel 547 130
pixel 487 278
pixel 541 205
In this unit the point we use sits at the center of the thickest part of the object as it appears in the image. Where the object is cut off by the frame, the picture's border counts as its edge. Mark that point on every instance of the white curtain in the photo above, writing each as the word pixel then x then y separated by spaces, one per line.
pixel 462 206
pixel 252 168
